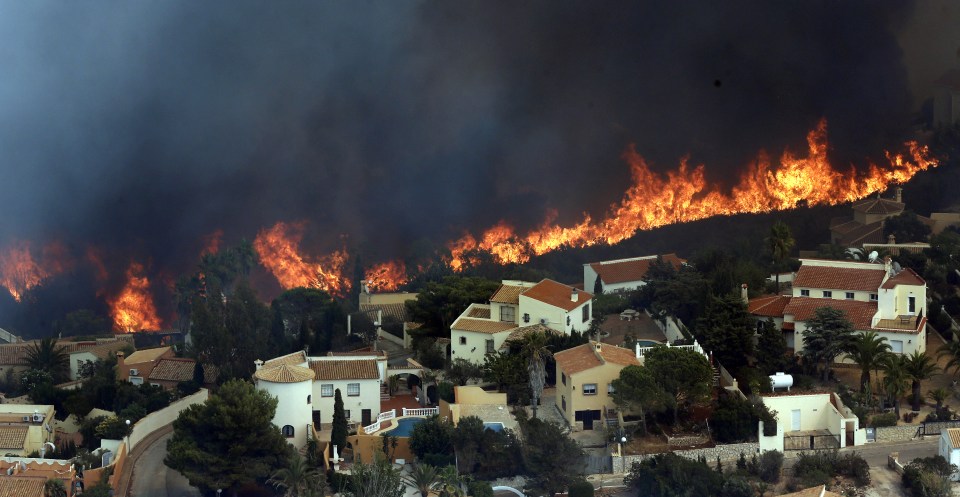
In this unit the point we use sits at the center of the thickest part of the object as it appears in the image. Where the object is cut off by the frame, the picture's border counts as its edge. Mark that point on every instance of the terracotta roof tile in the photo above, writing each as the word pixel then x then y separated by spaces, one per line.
pixel 13 354
pixel 295 358
pixel 631 270
pixel 13 437
pixel 479 312
pixel 284 373
pixel 906 277
pixel 769 306
pixel 859 313
pixel 21 486
pixel 556 294
pixel 817 491
pixel 954 435
pixel 397 311
pixel 879 206
pixel 838 278
pixel 181 369
pixel 508 294
pixel 482 325
pixel 583 357
pixel 855 233
pixel 146 355
pixel 356 369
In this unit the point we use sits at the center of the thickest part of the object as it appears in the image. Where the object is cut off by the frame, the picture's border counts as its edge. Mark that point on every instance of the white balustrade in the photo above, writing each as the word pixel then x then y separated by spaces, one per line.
pixel 384 416
pixel 428 411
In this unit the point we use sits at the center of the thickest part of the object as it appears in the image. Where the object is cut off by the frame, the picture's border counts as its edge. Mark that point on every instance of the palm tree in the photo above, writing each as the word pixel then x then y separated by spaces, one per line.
pixel 299 479
pixel 895 380
pixel 938 395
pixel 536 350
pixel 424 478
pixel 919 367
pixel 780 242
pixel 451 483
pixel 46 355
pixel 869 350
pixel 54 488
pixel 951 350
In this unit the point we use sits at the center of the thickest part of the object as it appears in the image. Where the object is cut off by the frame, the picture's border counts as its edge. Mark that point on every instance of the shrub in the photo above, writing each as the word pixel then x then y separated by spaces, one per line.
pixel 580 488
pixel 113 428
pixel 768 469
pixel 736 487
pixel 479 488
pixel 885 419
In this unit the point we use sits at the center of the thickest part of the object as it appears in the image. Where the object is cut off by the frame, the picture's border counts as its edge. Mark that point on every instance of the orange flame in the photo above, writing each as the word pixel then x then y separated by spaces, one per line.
pixel 133 309
pixel 211 242
pixel 278 248
pixel 387 276
pixel 683 195
pixel 19 271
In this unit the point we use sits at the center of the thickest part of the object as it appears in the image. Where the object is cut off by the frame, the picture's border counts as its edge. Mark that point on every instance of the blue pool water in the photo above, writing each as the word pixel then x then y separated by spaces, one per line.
pixel 494 426
pixel 405 426
pixel 647 343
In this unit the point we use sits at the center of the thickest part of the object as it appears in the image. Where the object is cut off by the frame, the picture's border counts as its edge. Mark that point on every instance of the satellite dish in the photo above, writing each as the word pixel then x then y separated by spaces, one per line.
pixel 873 256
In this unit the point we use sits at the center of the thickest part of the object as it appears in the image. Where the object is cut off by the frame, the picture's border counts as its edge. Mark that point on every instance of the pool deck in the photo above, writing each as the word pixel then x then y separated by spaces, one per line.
pixel 642 328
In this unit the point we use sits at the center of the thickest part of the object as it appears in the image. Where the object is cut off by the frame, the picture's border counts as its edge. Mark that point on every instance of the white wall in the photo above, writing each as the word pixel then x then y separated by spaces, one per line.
pixel 555 317
pixel 158 419
pixel 475 348
pixel 292 407
pixel 814 410
pixel 76 359
pixel 369 398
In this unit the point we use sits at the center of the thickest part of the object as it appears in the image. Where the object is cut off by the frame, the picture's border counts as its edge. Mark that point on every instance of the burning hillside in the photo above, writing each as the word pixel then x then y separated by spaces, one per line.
pixel 133 309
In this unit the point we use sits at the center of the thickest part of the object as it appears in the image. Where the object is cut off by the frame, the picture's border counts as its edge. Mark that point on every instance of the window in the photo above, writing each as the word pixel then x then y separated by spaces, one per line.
pixel 610 388
pixel 526 317
pixel 346 413
pixel 586 313
pixel 849 295
pixel 353 390
pixel 508 313
pixel 568 320
pixel 490 346
pixel 136 380
pixel 563 378
pixel 563 402
pixel 309 398
pixel 287 431
pixel 326 390
pixel 463 340
pixel 827 294
pixel 873 297
pixel 804 293
pixel 911 304
pixel 589 388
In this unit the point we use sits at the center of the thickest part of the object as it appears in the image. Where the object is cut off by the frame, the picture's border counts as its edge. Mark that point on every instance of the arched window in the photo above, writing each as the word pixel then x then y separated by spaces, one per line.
pixel 309 397
pixel 287 431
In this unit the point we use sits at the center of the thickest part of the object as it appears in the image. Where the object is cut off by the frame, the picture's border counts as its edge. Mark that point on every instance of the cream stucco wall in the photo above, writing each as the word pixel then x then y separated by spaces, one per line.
pixel 572 390
pixel 472 345
pixel 817 412
pixel 294 407
pixel 369 398
pixel 555 317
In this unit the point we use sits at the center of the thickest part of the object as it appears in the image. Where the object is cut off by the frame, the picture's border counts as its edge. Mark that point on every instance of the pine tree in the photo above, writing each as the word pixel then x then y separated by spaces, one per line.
pixel 338 435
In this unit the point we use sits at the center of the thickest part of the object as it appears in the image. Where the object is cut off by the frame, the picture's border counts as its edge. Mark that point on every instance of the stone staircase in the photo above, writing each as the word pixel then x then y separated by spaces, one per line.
pixel 384 392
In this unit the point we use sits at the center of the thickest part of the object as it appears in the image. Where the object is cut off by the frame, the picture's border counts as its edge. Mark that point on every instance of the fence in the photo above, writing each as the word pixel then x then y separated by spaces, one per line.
pixel 935 427
pixel 640 351
pixel 384 416
pixel 428 411
pixel 158 419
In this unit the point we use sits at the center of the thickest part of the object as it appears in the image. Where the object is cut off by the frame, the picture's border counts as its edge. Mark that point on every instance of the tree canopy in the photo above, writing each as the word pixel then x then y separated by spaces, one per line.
pixel 727 330
pixel 229 440
pixel 439 303
pixel 637 389
pixel 685 375
pixel 829 333
pixel 906 227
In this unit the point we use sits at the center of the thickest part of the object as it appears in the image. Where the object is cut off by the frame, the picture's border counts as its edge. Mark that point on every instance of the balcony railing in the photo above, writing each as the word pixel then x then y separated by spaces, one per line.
pixel 384 416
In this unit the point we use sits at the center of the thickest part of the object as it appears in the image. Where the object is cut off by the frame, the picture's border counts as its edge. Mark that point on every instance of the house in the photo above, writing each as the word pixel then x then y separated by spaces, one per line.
pixel 875 297
pixel 306 386
pixel 23 477
pixel 141 363
pixel 171 372
pixel 584 381
pixel 25 428
pixel 85 354
pixel 949 448
pixel 623 275
pixel 811 421
pixel 484 328
pixel 866 225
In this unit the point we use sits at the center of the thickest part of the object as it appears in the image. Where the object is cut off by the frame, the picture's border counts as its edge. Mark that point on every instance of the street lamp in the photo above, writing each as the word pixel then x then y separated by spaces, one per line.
pixel 128 436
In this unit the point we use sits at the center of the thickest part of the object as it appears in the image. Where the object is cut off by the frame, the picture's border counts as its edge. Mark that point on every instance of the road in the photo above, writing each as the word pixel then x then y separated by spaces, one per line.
pixel 151 478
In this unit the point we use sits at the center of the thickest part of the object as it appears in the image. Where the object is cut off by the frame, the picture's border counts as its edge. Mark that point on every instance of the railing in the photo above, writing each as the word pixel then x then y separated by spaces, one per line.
pixel 428 411
pixel 384 416
pixel 695 347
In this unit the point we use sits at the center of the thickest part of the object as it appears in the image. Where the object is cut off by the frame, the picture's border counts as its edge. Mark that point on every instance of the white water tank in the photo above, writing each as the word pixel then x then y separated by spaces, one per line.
pixel 781 380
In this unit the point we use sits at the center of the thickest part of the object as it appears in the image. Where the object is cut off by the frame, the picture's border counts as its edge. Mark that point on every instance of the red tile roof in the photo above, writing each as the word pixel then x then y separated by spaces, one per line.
pixel 859 313
pixel 906 277
pixel 770 305
pixel 482 325
pixel 839 278
pixel 557 295
pixel 21 486
pixel 508 294
pixel 479 312
pixel 879 206
pixel 356 369
pixel 584 357
pixel 630 270
pixel 181 369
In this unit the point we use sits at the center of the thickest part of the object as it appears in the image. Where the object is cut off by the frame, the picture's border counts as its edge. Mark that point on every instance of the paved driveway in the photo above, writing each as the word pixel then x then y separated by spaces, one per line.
pixel 151 478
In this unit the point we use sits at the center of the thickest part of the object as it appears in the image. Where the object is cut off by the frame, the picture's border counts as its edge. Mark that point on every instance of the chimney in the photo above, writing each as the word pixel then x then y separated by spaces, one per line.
pixel 743 293
pixel 596 345
pixel 120 365
pixel 574 296
pixel 898 194
pixel 258 363
pixel 891 239
pixel 888 264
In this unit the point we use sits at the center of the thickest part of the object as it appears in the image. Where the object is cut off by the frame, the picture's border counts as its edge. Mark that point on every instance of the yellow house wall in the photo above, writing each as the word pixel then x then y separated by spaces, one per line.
pixel 573 390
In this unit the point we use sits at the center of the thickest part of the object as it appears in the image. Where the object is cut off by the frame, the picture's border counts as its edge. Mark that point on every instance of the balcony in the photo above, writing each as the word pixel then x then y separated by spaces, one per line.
pixel 900 323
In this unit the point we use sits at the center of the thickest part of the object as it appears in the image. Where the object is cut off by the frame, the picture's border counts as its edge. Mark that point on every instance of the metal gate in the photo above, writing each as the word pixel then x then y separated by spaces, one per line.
pixel 935 427
pixel 593 465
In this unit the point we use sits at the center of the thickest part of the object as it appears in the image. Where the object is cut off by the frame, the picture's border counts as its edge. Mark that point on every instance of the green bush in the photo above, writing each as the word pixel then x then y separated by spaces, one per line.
pixel 771 462
pixel 885 419
pixel 580 488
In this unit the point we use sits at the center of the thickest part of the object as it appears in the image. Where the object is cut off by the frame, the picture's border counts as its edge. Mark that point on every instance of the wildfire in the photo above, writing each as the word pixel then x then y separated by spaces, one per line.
pixel 211 242
pixel 683 195
pixel 133 309
pixel 278 248
pixel 387 276
pixel 20 271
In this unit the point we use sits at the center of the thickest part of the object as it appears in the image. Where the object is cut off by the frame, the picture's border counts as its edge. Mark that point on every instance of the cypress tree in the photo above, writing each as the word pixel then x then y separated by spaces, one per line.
pixel 338 436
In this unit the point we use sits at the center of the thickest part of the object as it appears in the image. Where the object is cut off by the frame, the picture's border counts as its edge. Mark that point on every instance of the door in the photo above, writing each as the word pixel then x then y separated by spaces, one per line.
pixel 795 420
pixel 896 346
pixel 365 419
pixel 912 305
pixel 588 420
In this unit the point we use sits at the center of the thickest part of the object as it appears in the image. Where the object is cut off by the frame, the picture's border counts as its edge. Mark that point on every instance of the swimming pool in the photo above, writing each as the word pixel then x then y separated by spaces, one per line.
pixel 647 343
pixel 498 427
pixel 405 426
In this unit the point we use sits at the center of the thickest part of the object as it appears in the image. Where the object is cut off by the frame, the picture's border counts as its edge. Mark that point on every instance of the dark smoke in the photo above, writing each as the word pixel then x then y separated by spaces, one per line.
pixel 139 127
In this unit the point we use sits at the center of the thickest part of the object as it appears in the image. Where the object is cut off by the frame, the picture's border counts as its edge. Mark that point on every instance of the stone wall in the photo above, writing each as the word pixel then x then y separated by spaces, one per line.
pixel 687 441
pixel 725 452
pixel 896 433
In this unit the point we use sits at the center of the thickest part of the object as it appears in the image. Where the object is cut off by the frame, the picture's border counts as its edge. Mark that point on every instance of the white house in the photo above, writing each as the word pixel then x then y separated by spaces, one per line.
pixel 949 448
pixel 359 376
pixel 813 421
pixel 484 328
pixel 875 296
pixel 623 275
